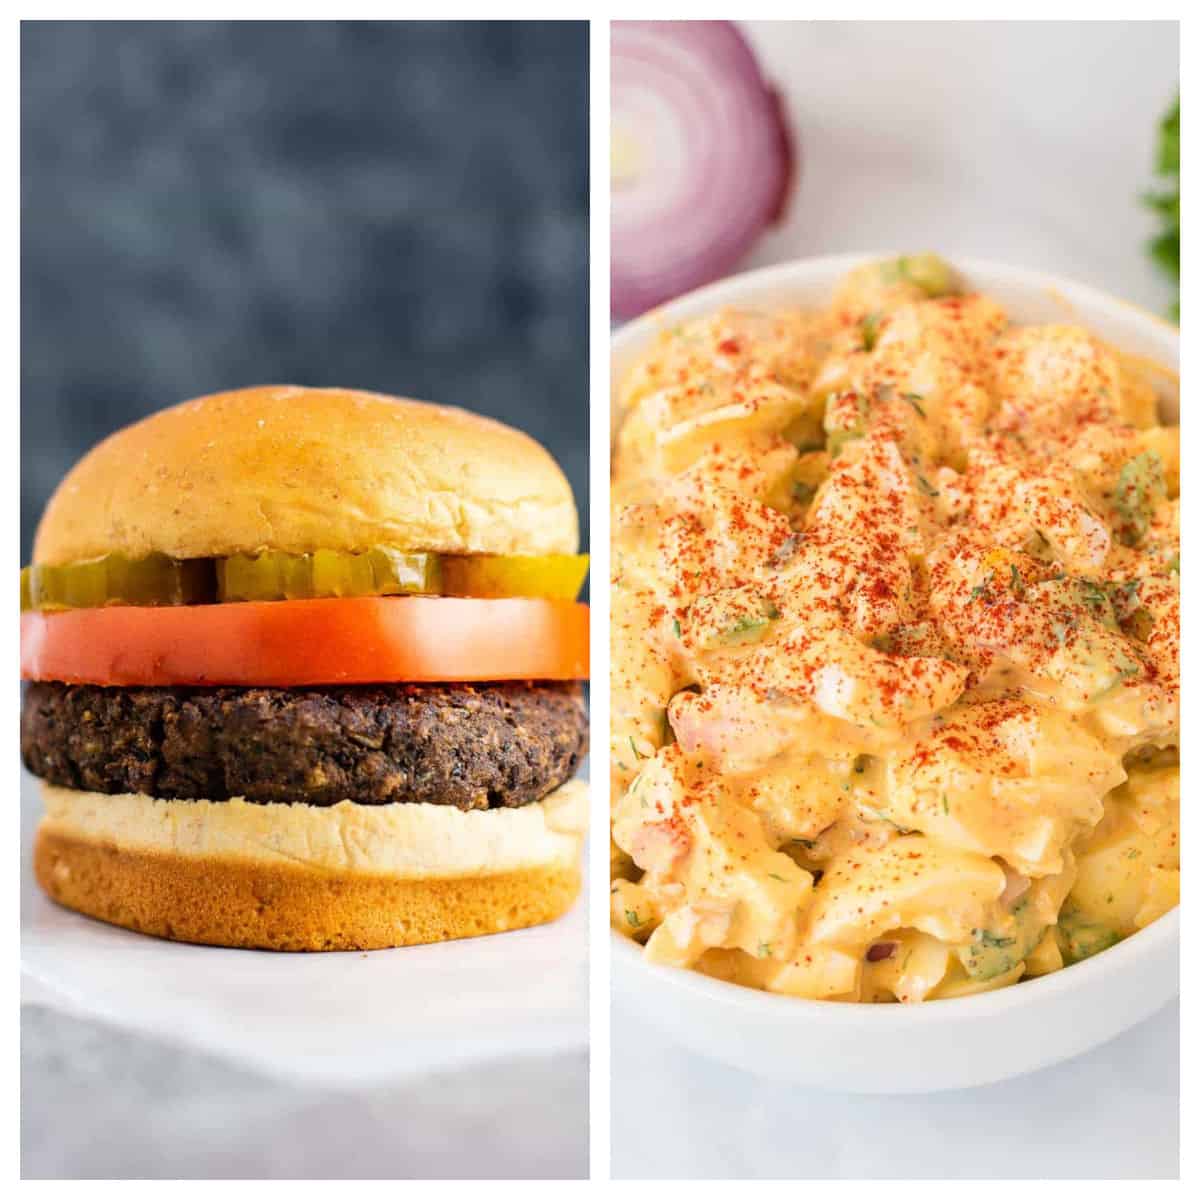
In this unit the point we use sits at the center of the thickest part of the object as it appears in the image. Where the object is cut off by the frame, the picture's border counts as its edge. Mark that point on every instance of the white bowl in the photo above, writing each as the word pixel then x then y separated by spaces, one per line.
pixel 892 1048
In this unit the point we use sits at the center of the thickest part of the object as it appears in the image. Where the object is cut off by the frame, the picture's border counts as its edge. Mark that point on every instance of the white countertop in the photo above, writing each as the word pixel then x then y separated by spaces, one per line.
pixel 1110 1114
pixel 1018 143
pixel 1022 143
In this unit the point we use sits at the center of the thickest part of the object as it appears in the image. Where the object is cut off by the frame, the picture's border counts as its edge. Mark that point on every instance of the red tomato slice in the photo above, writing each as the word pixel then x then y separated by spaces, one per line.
pixel 290 643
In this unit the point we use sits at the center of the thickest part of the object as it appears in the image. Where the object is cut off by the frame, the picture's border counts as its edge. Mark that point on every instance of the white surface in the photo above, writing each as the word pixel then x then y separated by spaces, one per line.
pixel 1023 142
pixel 348 1019
pixel 1112 1114
pixel 100 1103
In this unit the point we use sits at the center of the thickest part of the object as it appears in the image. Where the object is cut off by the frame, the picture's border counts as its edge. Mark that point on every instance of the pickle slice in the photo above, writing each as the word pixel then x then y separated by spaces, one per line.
pixel 274 575
pixel 549 576
pixel 115 579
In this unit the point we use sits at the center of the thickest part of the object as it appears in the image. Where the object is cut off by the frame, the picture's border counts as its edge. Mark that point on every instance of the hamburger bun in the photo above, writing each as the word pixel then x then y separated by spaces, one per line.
pixel 300 469
pixel 297 877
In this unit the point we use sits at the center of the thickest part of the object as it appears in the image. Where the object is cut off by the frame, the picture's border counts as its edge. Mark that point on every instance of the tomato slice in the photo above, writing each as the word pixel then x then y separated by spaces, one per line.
pixel 291 643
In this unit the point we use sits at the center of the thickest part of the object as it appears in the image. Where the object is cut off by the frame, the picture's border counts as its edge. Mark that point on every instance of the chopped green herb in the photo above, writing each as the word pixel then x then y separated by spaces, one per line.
pixel 986 938
pixel 1164 248
pixel 1079 938
pixel 981 589
pixel 1173 565
pixel 945 804
pixel 675 625
pixel 869 327
pixel 633 746
pixel 926 486
pixel 764 950
pixel 632 917
pixel 915 400
pixel 1094 596
pixel 772 875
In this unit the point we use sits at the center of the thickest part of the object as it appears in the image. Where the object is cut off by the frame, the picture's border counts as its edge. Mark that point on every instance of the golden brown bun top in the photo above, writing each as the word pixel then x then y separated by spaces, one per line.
pixel 300 469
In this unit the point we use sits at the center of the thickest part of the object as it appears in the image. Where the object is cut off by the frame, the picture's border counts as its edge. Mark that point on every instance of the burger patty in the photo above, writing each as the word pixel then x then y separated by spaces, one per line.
pixel 473 746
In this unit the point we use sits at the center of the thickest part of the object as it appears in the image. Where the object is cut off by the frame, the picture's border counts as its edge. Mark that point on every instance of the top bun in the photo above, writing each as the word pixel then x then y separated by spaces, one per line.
pixel 300 469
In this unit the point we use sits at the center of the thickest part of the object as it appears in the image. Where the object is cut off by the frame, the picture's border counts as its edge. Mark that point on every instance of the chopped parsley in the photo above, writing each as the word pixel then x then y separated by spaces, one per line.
pixel 914 399
pixel 632 917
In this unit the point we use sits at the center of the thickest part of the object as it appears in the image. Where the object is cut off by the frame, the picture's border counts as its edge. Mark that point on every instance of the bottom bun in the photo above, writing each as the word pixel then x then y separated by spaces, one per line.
pixel 194 892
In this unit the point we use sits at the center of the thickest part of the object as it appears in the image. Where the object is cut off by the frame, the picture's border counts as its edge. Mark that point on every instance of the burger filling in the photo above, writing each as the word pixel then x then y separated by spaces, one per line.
pixel 474 746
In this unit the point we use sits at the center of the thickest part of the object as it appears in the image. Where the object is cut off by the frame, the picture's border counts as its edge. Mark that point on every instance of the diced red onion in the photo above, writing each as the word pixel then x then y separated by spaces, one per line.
pixel 881 951
pixel 702 158
pixel 1015 886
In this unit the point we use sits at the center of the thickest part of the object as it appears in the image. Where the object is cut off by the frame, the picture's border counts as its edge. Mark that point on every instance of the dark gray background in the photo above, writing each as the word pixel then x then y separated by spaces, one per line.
pixel 395 206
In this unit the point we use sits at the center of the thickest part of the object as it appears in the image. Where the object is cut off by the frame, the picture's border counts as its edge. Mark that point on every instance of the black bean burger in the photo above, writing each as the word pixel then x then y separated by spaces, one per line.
pixel 304 675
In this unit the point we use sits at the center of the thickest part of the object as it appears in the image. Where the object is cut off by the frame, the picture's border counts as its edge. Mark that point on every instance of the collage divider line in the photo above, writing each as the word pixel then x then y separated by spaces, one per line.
pixel 598 481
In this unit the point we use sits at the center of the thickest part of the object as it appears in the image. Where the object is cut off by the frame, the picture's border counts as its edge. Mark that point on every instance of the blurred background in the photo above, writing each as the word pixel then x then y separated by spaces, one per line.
pixel 393 206
pixel 1031 143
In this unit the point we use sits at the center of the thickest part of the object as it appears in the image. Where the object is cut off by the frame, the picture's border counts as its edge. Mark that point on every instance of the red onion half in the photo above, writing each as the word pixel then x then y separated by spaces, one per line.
pixel 701 157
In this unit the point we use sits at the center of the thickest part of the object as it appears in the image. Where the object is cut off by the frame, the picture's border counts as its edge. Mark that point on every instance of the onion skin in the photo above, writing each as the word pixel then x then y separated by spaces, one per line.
pixel 703 158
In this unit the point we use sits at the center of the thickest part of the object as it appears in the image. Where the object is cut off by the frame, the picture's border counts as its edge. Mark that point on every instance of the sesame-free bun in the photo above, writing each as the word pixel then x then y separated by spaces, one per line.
pixel 295 877
pixel 301 469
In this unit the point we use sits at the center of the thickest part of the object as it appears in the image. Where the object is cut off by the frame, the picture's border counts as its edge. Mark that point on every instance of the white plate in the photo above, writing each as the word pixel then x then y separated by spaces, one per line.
pixel 343 1019
pixel 947 1043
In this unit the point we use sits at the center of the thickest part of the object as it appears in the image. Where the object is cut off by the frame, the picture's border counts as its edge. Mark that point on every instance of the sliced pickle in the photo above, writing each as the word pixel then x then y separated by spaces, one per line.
pixel 115 579
pixel 550 576
pixel 274 575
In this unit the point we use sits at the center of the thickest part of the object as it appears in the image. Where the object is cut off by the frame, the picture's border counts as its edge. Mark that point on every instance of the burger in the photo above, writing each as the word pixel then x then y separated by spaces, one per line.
pixel 304 674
